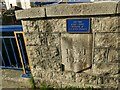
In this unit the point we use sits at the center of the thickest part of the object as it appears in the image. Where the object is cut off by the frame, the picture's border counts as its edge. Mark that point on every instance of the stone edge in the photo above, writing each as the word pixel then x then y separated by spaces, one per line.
pixel 95 8
pixel 38 12
pixel 118 7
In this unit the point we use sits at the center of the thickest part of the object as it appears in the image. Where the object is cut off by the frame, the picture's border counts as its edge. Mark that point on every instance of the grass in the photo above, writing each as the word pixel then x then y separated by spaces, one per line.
pixel 45 87
pixel 32 83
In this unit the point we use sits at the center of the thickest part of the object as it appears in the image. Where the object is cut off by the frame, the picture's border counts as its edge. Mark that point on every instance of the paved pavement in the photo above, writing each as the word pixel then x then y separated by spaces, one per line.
pixel 13 79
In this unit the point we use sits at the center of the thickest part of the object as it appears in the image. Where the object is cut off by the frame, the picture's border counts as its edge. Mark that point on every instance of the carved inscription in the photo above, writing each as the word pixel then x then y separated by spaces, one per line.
pixel 76 51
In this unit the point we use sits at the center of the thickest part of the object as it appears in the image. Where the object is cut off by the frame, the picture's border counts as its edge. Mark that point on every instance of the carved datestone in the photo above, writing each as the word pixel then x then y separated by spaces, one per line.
pixel 76 51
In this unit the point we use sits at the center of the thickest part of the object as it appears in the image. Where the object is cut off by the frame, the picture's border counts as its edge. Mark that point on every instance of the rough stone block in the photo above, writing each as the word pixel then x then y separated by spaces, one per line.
pixel 83 79
pixel 43 39
pixel 68 77
pixel 30 13
pixel 112 82
pixel 76 51
pixel 32 39
pixel 54 25
pixel 118 7
pixel 102 68
pixel 53 39
pixel 82 9
pixel 33 25
pixel 105 24
pixel 114 56
pixel 111 40
pixel 40 83
pixel 47 54
pixel 106 55
pixel 33 51
pixel 106 61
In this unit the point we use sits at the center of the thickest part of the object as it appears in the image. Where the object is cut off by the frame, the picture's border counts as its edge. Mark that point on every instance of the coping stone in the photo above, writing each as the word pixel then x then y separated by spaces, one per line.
pixel 30 13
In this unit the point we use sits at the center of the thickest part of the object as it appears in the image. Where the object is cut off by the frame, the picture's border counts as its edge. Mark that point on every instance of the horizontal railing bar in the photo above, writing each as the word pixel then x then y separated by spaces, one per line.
pixel 7 67
pixel 7 37
pixel 11 28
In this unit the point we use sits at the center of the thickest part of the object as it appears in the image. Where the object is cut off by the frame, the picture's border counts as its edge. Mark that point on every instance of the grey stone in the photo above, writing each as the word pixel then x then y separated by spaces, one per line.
pixel 76 51
pixel 111 82
pixel 13 79
pixel 55 25
pixel 83 78
pixel 65 59
pixel 103 68
pixel 33 25
pixel 52 25
pixel 33 51
pixel 68 77
pixel 41 83
pixel 105 24
pixel 106 55
pixel 47 51
pixel 30 13
pixel 103 63
pixel 118 7
pixel 113 56
pixel 33 39
pixel 98 8
pixel 110 40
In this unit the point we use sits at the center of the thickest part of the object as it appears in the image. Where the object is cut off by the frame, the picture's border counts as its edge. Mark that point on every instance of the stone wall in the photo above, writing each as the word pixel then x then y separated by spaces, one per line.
pixel 62 59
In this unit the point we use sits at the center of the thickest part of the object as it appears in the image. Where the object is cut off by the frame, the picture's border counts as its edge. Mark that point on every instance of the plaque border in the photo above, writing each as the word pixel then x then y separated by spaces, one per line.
pixel 89 31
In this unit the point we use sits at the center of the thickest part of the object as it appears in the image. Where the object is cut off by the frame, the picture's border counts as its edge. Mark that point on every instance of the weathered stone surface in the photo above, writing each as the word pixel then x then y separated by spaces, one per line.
pixel 33 51
pixel 52 25
pixel 106 55
pixel 68 77
pixel 105 24
pixel 33 25
pixel 12 79
pixel 102 68
pixel 47 53
pixel 83 78
pixel 118 7
pixel 55 25
pixel 30 13
pixel 33 39
pixel 106 61
pixel 61 59
pixel 76 51
pixel 48 83
pixel 98 8
pixel 111 40
pixel 102 63
pixel 114 56
pixel 111 82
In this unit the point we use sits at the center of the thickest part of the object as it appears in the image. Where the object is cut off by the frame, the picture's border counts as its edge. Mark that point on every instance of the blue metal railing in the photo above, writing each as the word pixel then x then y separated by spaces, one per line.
pixel 11 28
pixel 48 2
pixel 13 54
pixel 9 52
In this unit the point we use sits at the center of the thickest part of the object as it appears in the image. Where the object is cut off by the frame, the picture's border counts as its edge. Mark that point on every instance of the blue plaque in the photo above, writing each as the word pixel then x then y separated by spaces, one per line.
pixel 78 25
